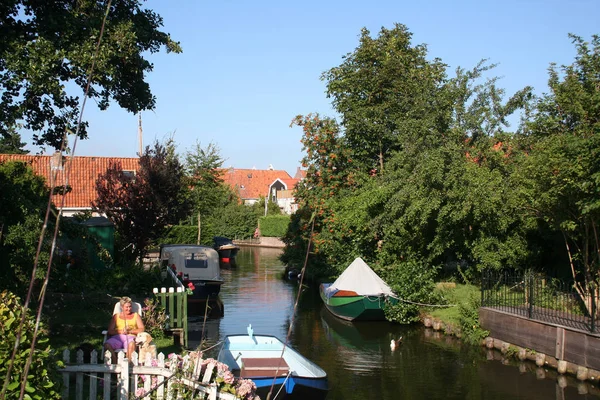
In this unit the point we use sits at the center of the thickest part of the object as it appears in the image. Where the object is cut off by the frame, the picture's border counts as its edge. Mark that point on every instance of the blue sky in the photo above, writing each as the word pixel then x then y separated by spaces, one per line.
pixel 248 68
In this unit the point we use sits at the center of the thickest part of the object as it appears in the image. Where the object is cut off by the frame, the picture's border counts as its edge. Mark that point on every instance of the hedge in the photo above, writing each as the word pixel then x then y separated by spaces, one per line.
pixel 274 225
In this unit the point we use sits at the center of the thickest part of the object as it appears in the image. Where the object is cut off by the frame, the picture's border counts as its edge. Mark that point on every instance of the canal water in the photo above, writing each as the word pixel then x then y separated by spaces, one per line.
pixel 357 356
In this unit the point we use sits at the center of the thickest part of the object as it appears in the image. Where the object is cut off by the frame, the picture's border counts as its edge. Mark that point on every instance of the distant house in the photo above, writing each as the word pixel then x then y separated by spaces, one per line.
pixel 84 172
pixel 251 184
pixel 281 191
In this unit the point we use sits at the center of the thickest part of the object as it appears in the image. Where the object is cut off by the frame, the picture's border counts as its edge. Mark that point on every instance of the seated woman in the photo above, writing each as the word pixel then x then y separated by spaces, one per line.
pixel 123 328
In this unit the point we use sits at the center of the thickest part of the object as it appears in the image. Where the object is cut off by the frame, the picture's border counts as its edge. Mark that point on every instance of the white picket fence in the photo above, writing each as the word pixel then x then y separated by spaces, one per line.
pixel 131 380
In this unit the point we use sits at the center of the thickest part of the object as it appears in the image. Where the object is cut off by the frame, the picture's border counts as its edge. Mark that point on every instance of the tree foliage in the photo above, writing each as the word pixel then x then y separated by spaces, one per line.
pixel 562 172
pixel 385 92
pixel 47 51
pixel 142 206
pixel 23 202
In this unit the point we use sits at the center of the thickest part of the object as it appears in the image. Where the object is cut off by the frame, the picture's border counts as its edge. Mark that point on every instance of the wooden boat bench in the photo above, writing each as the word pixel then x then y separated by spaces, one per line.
pixel 253 367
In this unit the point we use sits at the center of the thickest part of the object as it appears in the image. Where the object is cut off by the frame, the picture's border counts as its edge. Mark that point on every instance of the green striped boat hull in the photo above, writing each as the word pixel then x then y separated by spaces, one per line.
pixel 357 308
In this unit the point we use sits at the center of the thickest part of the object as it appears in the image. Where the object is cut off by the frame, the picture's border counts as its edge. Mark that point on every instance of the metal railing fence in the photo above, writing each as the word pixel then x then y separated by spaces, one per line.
pixel 537 297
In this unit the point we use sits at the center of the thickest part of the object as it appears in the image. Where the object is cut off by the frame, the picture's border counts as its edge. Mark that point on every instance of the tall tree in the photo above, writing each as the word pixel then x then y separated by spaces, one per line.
pixel 386 92
pixel 562 171
pixel 142 206
pixel 208 192
pixel 48 46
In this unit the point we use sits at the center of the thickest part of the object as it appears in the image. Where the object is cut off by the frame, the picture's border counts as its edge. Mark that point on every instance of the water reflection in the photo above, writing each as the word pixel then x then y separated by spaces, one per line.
pixel 357 356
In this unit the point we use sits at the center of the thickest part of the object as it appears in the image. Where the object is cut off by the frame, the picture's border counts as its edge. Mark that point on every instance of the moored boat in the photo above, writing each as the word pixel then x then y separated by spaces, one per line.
pixel 357 294
pixel 226 248
pixel 262 359
pixel 195 264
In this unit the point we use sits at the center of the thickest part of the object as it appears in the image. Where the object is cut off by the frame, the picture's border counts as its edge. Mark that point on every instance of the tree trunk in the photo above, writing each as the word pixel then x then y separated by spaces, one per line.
pixel 199 228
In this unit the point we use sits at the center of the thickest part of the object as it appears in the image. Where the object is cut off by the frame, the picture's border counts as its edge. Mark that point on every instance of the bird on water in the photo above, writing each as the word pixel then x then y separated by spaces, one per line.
pixel 395 343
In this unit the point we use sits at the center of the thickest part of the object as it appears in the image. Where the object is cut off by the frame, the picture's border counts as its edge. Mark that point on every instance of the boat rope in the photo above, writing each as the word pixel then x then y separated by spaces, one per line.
pixel 378 299
pixel 424 304
pixel 289 333
pixel 282 385
pixel 213 346
pixel 42 294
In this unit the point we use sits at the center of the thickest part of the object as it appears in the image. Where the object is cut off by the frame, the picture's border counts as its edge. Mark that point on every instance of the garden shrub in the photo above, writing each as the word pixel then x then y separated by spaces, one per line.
pixel 43 368
pixel 413 282
pixel 469 320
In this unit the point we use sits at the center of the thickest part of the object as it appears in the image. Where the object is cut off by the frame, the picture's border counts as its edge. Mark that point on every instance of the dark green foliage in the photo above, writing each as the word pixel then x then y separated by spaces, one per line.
pixel 43 368
pixel 49 45
pixel 184 234
pixel 274 225
pixel 11 144
pixel 23 201
pixel 413 282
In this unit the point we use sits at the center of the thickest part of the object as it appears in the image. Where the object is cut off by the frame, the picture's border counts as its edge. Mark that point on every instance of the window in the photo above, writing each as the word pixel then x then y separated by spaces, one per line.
pixel 196 260
pixel 129 174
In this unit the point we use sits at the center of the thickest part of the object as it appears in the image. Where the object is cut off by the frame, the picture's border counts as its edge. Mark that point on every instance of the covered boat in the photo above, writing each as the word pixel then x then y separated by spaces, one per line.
pixel 195 264
pixel 358 294
pixel 260 358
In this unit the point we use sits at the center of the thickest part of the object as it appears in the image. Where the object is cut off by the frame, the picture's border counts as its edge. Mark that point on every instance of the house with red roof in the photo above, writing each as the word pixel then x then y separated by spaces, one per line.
pixel 252 184
pixel 83 172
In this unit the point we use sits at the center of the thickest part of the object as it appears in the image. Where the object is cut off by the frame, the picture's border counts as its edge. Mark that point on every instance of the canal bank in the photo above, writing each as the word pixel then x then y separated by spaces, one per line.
pixel 568 352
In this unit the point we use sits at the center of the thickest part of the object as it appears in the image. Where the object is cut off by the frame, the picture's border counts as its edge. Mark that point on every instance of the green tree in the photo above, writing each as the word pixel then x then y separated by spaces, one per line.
pixel 23 201
pixel 386 94
pixel 561 171
pixel 142 206
pixel 208 192
pixel 11 144
pixel 48 46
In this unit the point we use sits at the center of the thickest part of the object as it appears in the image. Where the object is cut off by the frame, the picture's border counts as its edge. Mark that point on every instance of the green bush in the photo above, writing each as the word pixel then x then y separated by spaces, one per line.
pixel 469 320
pixel 43 369
pixel 413 282
pixel 274 225
pixel 181 234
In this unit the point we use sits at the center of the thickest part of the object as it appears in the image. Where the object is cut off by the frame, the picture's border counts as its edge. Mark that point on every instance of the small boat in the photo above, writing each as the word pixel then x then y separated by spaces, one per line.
pixel 226 248
pixel 260 358
pixel 196 265
pixel 357 294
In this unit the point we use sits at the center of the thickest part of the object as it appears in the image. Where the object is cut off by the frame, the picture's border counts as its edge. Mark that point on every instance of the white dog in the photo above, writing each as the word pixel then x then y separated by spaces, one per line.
pixel 144 341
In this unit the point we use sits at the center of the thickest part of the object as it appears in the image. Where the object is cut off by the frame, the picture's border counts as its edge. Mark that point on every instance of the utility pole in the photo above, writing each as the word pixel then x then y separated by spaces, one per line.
pixel 140 134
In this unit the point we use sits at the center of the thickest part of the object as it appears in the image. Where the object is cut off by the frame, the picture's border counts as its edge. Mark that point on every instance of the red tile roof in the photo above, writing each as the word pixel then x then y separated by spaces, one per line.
pixel 253 183
pixel 290 183
pixel 82 177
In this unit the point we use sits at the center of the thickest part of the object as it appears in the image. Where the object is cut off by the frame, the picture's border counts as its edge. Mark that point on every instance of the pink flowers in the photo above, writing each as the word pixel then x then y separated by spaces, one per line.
pixel 245 389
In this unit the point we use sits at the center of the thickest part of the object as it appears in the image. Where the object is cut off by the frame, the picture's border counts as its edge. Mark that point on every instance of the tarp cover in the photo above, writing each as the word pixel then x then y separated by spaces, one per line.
pixel 360 278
